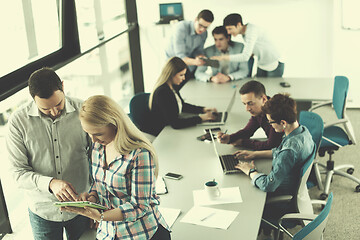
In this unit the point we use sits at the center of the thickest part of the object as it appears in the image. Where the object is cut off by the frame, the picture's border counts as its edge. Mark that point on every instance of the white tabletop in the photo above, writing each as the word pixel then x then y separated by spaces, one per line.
pixel 180 152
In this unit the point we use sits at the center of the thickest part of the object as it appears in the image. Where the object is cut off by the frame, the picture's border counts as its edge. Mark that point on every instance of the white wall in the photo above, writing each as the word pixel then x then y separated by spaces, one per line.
pixel 303 30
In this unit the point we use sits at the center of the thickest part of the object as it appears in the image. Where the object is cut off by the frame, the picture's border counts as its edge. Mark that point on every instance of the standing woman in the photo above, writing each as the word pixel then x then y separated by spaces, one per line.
pixel 124 168
pixel 166 103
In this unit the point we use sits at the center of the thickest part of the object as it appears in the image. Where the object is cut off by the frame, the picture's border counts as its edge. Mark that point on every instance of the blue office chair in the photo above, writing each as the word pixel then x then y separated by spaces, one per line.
pixel 336 136
pixel 314 123
pixel 315 229
pixel 140 113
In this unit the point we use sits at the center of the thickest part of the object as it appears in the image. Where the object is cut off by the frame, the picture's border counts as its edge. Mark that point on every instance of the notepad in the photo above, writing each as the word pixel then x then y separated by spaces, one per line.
pixel 170 214
pixel 210 217
pixel 160 186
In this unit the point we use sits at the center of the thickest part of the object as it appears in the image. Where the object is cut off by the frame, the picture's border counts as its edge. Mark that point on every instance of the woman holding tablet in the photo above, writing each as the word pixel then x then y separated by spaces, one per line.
pixel 124 169
pixel 166 103
pixel 288 158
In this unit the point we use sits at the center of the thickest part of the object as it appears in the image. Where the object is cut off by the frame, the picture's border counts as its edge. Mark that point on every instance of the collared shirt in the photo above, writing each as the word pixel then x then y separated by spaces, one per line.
pixel 273 138
pixel 287 161
pixel 127 183
pixel 185 42
pixel 41 149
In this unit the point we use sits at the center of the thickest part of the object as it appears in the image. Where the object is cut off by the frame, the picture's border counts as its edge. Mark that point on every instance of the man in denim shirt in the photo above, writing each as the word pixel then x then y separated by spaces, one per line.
pixel 295 148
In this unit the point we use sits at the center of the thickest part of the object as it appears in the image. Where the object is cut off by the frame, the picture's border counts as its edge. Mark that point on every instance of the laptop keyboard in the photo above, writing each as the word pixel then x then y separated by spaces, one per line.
pixel 218 117
pixel 230 161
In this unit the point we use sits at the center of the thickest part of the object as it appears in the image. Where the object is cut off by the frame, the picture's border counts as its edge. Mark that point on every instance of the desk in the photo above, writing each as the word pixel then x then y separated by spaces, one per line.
pixel 180 152
pixel 301 89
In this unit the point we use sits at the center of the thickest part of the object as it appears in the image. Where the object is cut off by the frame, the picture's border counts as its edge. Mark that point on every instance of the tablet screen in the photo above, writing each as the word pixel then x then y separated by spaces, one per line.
pixel 80 204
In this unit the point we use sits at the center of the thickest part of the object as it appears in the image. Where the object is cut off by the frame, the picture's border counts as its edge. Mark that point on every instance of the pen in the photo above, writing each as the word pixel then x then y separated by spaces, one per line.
pixel 224 134
pixel 211 214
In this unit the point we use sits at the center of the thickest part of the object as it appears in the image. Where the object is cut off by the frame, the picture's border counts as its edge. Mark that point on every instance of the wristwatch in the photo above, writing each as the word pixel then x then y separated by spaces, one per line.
pixel 252 170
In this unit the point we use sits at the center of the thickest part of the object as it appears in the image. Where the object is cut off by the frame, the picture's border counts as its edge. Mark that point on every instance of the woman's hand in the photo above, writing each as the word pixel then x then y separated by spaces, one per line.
pixel 91 197
pixel 245 154
pixel 85 211
pixel 206 109
pixel 245 166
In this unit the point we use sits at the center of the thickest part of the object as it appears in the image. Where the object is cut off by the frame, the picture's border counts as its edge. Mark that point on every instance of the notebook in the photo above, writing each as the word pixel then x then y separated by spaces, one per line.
pixel 169 12
pixel 228 162
pixel 221 117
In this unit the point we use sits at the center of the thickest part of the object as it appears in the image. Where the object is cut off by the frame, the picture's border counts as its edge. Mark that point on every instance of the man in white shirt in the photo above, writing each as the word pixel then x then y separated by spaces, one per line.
pixel 48 152
pixel 257 43
pixel 227 71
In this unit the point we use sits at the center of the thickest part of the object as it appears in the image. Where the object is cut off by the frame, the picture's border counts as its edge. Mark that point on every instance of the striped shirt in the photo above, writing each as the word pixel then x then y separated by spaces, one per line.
pixel 128 183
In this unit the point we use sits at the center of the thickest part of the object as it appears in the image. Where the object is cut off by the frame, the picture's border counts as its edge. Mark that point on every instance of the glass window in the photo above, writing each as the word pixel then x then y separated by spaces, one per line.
pixel 30 30
pixel 99 20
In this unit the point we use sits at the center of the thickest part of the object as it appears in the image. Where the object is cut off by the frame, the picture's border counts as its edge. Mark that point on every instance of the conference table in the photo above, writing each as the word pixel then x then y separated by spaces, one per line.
pixel 180 152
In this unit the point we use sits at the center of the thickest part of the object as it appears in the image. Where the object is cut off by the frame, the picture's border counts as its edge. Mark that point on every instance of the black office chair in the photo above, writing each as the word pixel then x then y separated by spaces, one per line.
pixel 140 113
pixel 336 136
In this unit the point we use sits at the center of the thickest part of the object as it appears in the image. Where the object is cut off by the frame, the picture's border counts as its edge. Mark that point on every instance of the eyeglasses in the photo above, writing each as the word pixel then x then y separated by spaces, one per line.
pixel 272 122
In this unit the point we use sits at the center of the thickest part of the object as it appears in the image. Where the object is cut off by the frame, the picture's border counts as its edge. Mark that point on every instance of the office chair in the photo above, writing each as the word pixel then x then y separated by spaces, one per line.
pixel 336 136
pixel 314 123
pixel 140 113
pixel 312 231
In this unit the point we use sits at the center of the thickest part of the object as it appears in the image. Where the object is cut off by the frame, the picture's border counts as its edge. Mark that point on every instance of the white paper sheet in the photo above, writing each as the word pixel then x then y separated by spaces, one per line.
pixel 210 217
pixel 170 214
pixel 228 195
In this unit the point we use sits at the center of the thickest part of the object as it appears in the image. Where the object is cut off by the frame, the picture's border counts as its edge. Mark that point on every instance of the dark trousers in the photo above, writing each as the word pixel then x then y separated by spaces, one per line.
pixel 161 234
pixel 278 72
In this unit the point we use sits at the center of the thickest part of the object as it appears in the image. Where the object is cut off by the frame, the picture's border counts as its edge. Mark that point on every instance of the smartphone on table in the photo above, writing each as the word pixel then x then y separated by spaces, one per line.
pixel 173 176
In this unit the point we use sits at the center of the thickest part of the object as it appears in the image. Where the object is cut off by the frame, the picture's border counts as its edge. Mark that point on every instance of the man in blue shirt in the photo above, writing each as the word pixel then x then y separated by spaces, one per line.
pixel 188 41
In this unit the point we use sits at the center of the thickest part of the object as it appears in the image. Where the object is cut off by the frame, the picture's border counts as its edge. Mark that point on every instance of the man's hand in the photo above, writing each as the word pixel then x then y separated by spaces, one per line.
pixel 223 138
pixel 198 61
pixel 206 109
pixel 207 116
pixel 220 78
pixel 221 58
pixel 63 190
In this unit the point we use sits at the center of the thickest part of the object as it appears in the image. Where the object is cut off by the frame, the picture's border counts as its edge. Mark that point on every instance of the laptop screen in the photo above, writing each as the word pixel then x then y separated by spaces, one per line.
pixel 171 10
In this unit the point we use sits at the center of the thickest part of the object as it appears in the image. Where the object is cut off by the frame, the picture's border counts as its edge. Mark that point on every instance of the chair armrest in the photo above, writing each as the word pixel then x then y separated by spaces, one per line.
pixel 338 121
pixel 320 105
pixel 298 216
pixel 321 202
pixel 279 199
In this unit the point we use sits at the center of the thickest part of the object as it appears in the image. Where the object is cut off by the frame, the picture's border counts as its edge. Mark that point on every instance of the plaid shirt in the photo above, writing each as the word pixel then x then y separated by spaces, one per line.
pixel 128 183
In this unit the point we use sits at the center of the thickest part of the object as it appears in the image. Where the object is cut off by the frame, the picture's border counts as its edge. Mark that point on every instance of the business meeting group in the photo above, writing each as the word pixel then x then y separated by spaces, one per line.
pixel 63 150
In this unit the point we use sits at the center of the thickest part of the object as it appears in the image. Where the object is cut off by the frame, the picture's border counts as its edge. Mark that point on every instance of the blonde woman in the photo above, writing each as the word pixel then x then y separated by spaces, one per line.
pixel 166 103
pixel 124 169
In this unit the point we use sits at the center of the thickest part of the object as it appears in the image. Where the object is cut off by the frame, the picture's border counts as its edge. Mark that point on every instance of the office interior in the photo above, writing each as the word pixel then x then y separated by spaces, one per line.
pixel 120 52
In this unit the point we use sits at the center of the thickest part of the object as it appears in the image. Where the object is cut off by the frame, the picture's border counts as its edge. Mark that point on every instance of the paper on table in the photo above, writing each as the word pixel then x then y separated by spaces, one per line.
pixel 259 134
pixel 160 186
pixel 228 195
pixel 170 214
pixel 210 217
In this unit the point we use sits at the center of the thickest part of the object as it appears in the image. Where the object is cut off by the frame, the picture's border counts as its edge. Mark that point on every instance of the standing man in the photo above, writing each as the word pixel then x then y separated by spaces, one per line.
pixel 188 41
pixel 227 71
pixel 257 43
pixel 48 155
pixel 253 97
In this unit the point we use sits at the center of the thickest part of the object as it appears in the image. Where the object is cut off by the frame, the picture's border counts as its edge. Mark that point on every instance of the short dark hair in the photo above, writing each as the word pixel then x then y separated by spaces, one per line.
pixel 220 30
pixel 207 15
pixel 44 82
pixel 232 20
pixel 253 86
pixel 281 107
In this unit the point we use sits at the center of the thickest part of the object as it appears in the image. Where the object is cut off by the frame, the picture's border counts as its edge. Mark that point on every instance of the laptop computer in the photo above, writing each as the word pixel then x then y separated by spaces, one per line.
pixel 228 162
pixel 221 117
pixel 169 12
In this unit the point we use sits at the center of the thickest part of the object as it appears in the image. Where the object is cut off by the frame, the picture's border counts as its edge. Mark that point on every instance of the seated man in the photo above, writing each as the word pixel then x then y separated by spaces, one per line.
pixel 227 71
pixel 253 97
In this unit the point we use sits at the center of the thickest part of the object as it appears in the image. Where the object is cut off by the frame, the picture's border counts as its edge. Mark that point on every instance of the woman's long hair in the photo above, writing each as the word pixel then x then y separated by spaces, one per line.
pixel 173 66
pixel 101 111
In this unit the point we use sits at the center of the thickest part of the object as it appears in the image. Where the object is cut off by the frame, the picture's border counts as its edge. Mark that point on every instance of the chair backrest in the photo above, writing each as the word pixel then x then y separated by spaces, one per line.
pixel 315 228
pixel 139 110
pixel 303 201
pixel 341 87
pixel 314 123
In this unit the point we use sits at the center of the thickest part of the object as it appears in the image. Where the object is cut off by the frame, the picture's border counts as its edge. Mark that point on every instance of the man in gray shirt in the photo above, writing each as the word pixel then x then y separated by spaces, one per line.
pixel 48 155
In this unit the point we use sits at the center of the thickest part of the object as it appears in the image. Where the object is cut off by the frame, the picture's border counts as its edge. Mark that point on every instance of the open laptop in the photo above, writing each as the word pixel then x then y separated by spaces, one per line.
pixel 221 117
pixel 228 162
pixel 169 12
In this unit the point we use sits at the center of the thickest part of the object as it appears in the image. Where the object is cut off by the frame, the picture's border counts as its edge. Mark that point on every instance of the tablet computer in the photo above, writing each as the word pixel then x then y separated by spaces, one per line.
pixel 80 204
pixel 211 62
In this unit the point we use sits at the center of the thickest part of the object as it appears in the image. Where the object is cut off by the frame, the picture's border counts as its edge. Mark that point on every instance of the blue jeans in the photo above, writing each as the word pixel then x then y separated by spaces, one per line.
pixel 49 230
pixel 278 72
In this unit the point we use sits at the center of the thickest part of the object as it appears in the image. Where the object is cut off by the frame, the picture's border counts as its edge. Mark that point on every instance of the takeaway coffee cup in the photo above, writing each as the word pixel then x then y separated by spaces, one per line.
pixel 212 189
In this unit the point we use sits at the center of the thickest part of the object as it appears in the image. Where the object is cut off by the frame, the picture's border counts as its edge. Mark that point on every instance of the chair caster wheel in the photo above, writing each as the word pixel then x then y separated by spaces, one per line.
pixel 324 196
pixel 357 189
pixel 350 171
